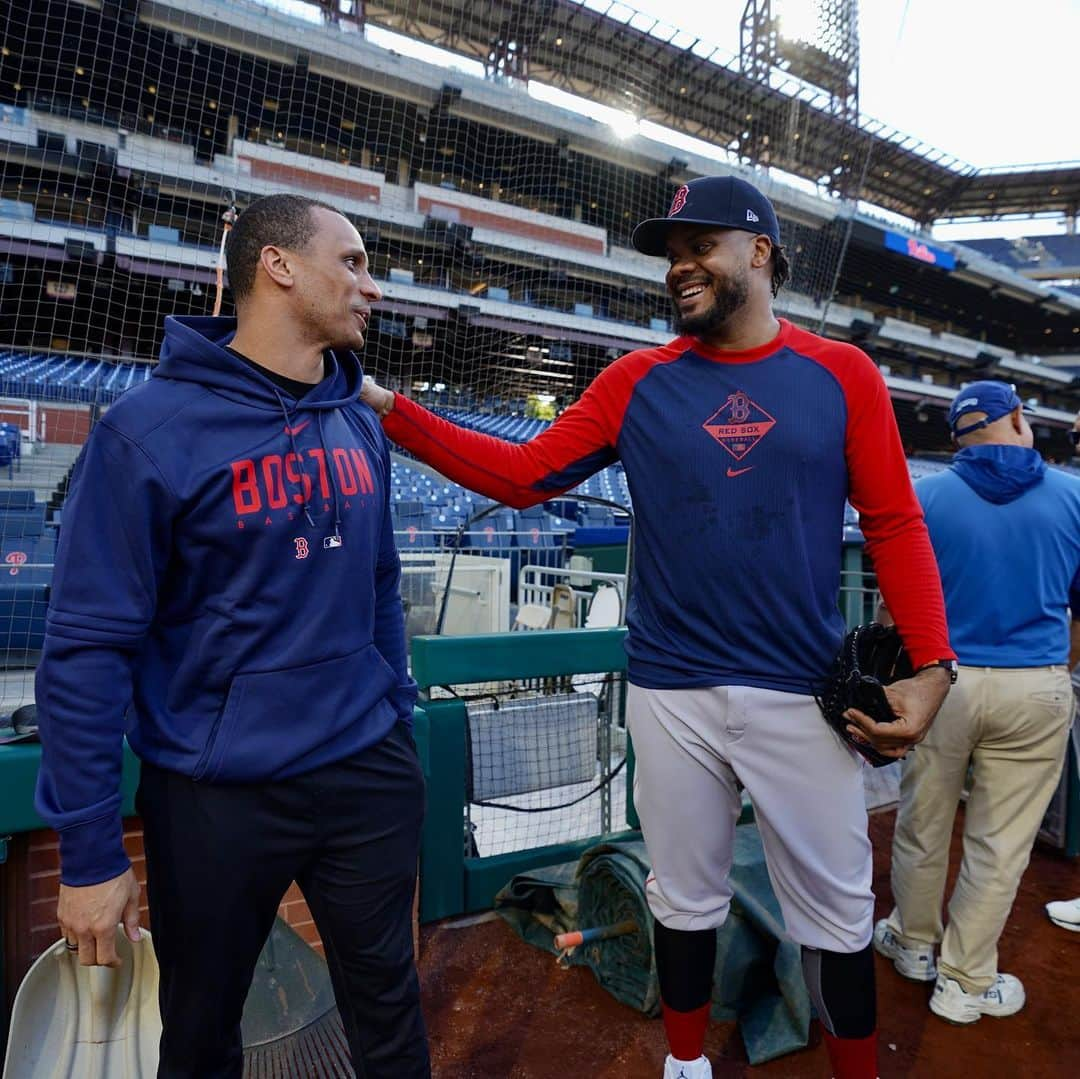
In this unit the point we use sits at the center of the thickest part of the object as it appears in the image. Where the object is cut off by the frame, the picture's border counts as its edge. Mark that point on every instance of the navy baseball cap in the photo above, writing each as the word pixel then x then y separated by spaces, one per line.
pixel 994 399
pixel 721 201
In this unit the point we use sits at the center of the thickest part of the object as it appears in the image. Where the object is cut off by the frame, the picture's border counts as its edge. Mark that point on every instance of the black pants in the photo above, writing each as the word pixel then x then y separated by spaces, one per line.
pixel 219 858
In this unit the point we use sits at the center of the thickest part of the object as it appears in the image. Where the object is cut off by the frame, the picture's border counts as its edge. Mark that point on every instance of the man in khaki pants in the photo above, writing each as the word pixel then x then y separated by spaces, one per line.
pixel 1006 532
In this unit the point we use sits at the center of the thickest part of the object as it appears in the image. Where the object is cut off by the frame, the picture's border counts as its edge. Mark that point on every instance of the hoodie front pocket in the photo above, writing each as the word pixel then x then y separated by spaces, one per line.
pixel 271 719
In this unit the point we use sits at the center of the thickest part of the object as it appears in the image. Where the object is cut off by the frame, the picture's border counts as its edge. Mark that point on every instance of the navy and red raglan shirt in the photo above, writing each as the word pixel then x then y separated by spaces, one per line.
pixel 738 465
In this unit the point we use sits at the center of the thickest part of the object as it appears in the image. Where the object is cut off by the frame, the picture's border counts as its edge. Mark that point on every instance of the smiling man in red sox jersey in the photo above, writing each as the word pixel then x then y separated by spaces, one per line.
pixel 741 440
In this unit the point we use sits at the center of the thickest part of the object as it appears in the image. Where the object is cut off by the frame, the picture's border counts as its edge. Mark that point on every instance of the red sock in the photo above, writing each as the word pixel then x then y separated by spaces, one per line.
pixel 852 1058
pixel 686 1031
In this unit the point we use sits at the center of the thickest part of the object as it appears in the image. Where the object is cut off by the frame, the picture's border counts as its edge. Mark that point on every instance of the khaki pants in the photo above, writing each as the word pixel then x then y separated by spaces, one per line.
pixel 1013 725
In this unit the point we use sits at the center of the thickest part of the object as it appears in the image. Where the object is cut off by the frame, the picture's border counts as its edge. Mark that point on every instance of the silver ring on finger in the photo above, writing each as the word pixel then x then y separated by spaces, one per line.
pixel 71 947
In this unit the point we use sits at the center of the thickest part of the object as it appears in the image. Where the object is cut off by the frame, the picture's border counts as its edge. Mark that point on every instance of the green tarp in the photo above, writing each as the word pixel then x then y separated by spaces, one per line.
pixel 758 978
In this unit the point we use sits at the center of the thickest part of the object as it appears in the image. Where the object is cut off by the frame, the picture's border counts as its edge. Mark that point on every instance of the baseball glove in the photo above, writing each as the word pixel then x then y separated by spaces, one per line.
pixel 870 658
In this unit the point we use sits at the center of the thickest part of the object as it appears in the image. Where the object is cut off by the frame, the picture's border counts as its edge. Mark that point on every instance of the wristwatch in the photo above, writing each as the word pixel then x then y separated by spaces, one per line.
pixel 949 664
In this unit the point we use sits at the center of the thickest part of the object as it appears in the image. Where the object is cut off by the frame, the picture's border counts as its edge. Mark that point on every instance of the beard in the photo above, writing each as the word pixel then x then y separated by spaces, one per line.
pixel 728 297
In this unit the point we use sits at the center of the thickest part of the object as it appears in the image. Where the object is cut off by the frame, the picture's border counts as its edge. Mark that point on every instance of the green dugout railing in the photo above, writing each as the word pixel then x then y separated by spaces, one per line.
pixel 451 882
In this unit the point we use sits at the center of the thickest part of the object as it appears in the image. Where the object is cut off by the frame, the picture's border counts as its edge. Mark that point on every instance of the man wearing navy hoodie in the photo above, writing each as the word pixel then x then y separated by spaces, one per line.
pixel 226 594
pixel 1006 532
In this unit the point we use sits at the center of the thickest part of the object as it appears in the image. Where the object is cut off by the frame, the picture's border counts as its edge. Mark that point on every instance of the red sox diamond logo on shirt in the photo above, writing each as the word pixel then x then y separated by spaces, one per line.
pixel 679 201
pixel 739 424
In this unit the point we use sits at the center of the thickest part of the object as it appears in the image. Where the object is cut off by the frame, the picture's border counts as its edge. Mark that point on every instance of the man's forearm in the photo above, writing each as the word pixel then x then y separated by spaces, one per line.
pixel 1074 644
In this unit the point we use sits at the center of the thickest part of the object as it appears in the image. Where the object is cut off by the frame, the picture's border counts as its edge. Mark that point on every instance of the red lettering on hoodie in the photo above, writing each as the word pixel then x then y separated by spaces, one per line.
pixel 293 473
pixel 363 472
pixel 324 481
pixel 346 477
pixel 275 485
pixel 246 495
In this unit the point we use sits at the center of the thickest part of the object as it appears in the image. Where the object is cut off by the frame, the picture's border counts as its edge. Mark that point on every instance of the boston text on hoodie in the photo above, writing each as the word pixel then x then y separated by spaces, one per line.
pixel 226 590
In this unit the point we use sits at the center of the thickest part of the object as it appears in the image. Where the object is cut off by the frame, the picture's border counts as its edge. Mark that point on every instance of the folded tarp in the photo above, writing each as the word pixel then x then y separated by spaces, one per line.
pixel 758 977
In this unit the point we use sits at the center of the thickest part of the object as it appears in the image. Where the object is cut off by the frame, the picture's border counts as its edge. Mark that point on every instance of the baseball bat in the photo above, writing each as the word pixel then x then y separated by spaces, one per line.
pixel 600 932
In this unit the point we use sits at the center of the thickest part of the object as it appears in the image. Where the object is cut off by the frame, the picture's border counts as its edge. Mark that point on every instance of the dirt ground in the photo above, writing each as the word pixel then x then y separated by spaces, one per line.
pixel 498 1008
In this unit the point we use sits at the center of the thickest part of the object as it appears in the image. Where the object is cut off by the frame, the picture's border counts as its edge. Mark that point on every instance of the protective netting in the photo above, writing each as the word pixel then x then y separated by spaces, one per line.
pixel 498 224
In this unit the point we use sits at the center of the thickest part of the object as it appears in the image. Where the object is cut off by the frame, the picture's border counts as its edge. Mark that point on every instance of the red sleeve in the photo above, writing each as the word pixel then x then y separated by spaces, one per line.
pixel 580 442
pixel 880 488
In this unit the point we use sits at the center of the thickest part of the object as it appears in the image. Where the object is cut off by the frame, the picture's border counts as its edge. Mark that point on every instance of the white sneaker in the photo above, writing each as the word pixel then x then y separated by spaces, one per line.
pixel 914 963
pixel 1065 913
pixel 687 1069
pixel 1004 997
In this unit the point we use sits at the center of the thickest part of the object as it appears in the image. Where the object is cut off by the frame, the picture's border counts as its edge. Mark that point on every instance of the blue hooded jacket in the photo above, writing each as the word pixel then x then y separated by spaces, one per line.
pixel 226 590
pixel 1006 533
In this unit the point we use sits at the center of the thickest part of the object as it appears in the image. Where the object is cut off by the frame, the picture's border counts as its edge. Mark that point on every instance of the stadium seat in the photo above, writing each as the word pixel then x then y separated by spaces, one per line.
pixel 594 516
pixel 534 528
pixel 16 499
pixel 493 532
pixel 15 524
pixel 28 560
pixel 22 620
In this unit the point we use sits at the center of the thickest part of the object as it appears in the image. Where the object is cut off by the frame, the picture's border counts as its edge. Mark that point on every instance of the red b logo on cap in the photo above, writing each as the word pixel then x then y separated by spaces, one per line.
pixel 679 201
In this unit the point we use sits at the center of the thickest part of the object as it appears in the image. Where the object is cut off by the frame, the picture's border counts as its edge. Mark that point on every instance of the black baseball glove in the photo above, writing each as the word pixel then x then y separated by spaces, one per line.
pixel 870 658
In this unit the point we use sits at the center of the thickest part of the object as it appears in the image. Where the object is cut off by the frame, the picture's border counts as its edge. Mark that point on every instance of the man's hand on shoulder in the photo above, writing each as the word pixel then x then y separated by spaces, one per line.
pixel 915 701
pixel 380 400
pixel 88 916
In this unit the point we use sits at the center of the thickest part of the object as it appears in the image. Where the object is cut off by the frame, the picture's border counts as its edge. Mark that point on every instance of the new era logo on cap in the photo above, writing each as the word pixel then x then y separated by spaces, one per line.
pixel 751 216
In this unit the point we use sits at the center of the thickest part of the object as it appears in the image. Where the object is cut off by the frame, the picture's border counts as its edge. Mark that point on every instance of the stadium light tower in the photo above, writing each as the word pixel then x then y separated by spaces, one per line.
pixel 816 42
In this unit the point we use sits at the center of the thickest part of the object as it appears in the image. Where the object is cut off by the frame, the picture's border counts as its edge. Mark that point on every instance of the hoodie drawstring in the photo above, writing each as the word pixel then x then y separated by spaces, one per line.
pixel 305 489
pixel 333 485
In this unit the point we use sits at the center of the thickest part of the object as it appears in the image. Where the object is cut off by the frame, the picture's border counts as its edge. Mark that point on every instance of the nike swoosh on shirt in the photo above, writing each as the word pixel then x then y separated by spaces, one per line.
pixel 297 429
pixel 738 471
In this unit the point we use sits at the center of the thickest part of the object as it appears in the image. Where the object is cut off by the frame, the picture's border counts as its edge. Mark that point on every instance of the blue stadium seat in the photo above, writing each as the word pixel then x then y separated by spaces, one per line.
pixel 534 528
pixel 594 516
pixel 494 532
pixel 28 560
pixel 22 618
pixel 16 524
pixel 414 530
pixel 17 498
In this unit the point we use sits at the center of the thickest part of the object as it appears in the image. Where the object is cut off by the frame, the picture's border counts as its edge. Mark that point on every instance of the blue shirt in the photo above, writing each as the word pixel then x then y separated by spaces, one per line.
pixel 1006 532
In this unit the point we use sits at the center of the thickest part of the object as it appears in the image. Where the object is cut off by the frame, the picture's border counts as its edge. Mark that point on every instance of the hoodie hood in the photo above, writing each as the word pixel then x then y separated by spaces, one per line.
pixel 194 351
pixel 999 473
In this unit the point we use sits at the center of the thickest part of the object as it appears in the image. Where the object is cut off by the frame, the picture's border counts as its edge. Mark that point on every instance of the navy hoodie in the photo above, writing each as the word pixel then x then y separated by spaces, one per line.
pixel 226 590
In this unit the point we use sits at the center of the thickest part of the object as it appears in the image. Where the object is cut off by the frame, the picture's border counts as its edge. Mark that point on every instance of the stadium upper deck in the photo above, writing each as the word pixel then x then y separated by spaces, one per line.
pixel 498 225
